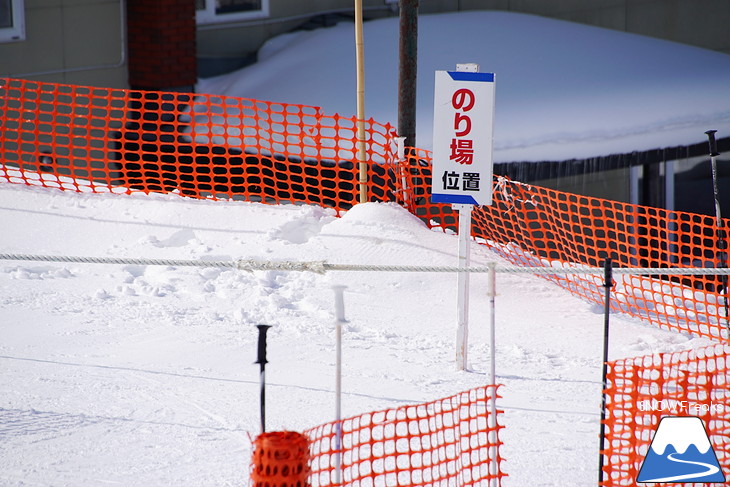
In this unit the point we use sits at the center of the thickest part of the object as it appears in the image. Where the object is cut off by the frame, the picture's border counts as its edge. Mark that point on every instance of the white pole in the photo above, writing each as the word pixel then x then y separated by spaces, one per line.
pixel 462 330
pixel 492 292
pixel 401 155
pixel 339 321
pixel 360 61
pixel 400 143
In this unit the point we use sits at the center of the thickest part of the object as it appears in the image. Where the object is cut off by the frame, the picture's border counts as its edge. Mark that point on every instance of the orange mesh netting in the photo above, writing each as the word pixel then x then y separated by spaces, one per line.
pixel 640 391
pixel 535 226
pixel 451 441
pixel 105 140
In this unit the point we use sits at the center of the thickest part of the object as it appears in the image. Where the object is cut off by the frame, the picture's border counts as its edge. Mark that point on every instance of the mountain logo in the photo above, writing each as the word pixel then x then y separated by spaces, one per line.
pixel 680 452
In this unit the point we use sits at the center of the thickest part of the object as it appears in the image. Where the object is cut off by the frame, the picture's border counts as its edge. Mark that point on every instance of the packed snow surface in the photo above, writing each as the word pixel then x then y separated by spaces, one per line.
pixel 144 375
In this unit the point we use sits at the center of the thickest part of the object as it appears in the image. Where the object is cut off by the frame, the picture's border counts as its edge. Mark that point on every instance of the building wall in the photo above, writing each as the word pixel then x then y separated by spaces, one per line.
pixel 702 23
pixel 161 47
pixel 80 41
pixel 69 41
pixel 611 185
pixel 224 47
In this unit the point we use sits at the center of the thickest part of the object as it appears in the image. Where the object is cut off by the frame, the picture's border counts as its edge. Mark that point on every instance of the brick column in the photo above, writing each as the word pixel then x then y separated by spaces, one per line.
pixel 161 44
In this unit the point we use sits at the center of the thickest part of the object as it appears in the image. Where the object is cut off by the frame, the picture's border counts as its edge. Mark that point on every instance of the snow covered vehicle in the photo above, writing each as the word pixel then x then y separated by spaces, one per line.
pixel 233 148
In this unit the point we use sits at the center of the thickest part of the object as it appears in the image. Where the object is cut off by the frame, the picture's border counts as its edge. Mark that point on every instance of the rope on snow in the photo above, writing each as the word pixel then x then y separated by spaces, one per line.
pixel 321 267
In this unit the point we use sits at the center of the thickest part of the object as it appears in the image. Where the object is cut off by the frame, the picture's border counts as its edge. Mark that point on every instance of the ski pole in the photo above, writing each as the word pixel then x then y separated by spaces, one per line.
pixel 261 360
pixel 339 321
pixel 608 285
pixel 721 243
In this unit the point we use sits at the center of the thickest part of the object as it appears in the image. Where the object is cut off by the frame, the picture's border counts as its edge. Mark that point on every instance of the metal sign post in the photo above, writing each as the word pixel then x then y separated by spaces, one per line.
pixel 462 164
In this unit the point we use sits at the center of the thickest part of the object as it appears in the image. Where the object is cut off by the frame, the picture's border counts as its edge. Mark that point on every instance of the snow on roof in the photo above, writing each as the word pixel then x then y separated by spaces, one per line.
pixel 564 90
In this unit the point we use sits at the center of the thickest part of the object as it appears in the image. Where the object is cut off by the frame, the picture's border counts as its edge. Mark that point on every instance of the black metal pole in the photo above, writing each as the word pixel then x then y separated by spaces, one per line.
pixel 721 241
pixel 608 284
pixel 408 56
pixel 261 360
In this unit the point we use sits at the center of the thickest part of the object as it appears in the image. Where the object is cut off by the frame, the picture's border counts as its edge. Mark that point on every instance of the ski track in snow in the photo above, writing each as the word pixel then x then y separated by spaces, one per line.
pixel 144 375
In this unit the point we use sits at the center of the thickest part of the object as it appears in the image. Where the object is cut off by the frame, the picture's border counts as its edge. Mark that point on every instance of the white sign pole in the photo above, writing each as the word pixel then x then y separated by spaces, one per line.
pixel 462 329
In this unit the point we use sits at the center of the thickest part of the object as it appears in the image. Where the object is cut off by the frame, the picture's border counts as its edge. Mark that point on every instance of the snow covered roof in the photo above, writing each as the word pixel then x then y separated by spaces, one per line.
pixel 564 90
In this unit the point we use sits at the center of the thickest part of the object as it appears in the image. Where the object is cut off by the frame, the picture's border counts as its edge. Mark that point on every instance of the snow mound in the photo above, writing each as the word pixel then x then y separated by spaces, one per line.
pixel 380 217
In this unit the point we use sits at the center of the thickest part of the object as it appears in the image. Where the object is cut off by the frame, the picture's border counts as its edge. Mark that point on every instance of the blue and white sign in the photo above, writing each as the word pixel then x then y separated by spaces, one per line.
pixel 680 452
pixel 463 127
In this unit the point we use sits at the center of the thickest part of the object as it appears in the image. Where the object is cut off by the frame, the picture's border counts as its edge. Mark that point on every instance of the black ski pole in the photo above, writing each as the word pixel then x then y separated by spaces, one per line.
pixel 608 284
pixel 261 360
pixel 721 242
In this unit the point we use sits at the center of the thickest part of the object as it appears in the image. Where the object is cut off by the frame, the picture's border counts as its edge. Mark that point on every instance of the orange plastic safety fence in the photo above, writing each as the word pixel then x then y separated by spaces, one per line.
pixel 451 441
pixel 640 391
pixel 280 459
pixel 106 140
pixel 535 226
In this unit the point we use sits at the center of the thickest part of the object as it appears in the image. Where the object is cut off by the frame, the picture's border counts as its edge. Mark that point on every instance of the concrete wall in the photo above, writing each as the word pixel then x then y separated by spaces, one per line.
pixel 69 41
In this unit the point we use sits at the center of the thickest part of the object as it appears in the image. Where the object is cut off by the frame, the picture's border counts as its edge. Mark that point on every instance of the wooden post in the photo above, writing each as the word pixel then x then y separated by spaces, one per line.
pixel 360 61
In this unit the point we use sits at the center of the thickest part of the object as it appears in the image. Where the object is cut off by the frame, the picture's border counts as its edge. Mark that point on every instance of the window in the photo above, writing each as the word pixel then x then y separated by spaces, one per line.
pixel 211 11
pixel 12 21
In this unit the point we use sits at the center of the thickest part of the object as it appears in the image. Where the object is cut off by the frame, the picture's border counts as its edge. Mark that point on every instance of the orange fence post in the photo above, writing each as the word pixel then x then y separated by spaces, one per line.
pixel 280 459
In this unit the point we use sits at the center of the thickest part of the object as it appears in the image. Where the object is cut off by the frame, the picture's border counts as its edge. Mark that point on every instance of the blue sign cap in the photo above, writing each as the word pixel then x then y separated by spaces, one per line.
pixel 463 199
pixel 466 76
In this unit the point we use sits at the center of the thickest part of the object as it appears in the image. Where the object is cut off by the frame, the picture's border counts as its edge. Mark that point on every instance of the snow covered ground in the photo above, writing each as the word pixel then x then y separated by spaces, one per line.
pixel 143 375
pixel 563 90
